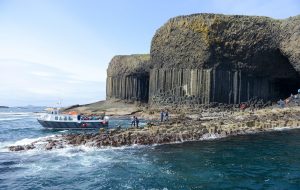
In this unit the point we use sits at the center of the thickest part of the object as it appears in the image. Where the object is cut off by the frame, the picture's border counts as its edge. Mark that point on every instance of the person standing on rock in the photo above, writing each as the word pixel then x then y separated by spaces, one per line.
pixel 137 122
pixel 162 116
pixel 281 103
pixel 133 121
pixel 167 116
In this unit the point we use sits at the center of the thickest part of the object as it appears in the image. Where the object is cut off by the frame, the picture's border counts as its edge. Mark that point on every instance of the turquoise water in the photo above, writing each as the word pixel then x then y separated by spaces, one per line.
pixel 258 161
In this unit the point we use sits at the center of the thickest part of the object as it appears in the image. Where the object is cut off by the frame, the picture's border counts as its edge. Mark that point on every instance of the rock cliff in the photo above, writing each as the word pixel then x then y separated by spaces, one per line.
pixel 204 58
pixel 128 77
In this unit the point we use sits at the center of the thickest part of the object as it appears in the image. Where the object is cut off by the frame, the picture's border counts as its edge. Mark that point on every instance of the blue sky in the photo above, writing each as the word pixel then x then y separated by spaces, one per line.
pixel 53 50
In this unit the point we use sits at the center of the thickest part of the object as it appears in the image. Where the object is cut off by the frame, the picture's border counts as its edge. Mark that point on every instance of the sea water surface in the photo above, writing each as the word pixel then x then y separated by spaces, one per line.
pixel 257 161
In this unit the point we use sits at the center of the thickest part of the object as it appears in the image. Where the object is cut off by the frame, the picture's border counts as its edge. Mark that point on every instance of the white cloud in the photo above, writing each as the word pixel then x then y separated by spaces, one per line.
pixel 38 84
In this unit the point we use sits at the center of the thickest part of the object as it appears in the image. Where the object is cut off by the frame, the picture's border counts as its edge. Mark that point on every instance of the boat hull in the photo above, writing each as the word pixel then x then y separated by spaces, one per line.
pixel 72 125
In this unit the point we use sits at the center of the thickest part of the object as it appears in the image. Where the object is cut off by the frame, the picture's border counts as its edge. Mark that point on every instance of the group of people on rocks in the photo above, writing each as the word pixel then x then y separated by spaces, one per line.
pixel 164 115
pixel 135 121
pixel 293 98
pixel 90 117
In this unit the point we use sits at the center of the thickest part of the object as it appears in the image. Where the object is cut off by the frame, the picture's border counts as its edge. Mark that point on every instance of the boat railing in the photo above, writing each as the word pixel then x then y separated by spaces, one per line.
pixel 67 117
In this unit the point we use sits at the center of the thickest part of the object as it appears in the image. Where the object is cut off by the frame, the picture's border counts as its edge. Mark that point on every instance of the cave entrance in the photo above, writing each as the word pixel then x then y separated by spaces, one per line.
pixel 284 87
pixel 285 80
pixel 143 88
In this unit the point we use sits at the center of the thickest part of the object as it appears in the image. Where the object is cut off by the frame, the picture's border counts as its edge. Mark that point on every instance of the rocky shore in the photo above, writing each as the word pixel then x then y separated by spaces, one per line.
pixel 180 128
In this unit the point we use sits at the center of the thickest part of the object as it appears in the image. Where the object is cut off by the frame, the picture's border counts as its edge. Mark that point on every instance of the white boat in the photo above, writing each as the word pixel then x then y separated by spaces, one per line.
pixel 54 120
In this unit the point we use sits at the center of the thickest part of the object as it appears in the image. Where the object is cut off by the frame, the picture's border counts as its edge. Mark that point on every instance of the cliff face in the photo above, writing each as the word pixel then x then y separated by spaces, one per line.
pixel 206 58
pixel 290 40
pixel 203 58
pixel 128 77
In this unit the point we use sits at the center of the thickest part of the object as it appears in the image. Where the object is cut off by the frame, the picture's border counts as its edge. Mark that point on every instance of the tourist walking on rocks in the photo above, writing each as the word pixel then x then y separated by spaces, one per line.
pixel 133 121
pixel 137 122
pixel 162 116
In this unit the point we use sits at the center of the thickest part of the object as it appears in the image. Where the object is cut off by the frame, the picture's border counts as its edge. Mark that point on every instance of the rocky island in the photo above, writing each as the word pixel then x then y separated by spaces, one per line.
pixel 202 68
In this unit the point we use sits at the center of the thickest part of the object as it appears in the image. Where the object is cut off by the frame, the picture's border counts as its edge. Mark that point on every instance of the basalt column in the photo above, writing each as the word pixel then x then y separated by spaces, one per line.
pixel 128 78
pixel 180 86
pixel 202 86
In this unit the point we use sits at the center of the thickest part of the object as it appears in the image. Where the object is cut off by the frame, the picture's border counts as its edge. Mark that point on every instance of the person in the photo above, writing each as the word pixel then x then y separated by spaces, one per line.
pixel 162 116
pixel 137 122
pixel 281 103
pixel 167 116
pixel 102 115
pixel 243 106
pixel 79 117
pixel 133 121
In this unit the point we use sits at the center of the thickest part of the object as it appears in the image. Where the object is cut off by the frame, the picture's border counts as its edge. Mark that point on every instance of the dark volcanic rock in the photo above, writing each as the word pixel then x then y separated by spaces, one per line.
pixel 16 148
pixel 21 147
pixel 203 41
pixel 290 40
pixel 222 58
pixel 129 65
pixel 206 58
pixel 128 77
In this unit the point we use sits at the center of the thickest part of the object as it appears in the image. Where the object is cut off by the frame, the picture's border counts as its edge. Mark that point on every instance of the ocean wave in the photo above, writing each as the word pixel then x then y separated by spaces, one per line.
pixel 26 141
pixel 212 136
pixel 11 119
pixel 11 116
pixel 17 113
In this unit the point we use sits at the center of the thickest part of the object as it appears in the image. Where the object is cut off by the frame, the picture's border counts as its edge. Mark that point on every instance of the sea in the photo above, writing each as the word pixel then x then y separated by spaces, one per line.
pixel 256 161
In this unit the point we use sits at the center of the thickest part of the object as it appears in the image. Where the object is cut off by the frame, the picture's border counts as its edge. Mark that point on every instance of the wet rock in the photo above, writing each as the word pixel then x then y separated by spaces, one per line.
pixel 16 148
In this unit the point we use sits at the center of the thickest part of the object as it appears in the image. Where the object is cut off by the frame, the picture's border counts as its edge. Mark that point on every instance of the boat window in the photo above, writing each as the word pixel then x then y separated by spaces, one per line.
pixel 70 118
pixel 65 118
pixel 56 118
pixel 60 118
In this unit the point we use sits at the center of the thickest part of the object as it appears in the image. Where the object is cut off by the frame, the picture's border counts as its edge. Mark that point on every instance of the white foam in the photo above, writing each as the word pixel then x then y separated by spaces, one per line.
pixel 41 141
pixel 212 136
pixel 63 131
pixel 10 119
pixel 11 116
pixel 17 113
pixel 284 128
pixel 27 141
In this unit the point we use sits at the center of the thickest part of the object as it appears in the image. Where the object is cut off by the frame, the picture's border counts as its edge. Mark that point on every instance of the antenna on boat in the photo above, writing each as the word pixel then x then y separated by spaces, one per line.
pixel 58 106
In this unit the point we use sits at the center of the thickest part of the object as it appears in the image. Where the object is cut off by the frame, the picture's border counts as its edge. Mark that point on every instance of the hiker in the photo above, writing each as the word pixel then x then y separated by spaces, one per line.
pixel 162 116
pixel 137 122
pixel 167 116
pixel 133 121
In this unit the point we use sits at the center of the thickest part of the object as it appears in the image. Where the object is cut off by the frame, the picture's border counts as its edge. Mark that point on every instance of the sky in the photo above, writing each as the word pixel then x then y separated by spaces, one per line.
pixel 59 50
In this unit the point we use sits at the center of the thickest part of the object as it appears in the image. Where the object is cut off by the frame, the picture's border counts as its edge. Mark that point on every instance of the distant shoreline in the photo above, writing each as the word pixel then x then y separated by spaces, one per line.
pixel 4 107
